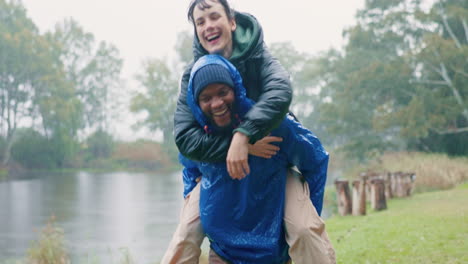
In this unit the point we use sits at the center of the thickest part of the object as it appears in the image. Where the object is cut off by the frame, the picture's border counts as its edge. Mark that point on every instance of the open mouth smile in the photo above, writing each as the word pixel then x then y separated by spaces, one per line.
pixel 221 112
pixel 212 37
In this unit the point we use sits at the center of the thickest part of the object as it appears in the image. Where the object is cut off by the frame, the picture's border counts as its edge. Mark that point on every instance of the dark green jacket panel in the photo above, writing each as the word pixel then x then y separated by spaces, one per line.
pixel 267 83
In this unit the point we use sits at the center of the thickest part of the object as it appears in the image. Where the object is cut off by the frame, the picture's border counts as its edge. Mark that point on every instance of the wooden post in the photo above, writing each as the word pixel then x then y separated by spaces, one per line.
pixel 408 183
pixel 378 201
pixel 393 183
pixel 359 197
pixel 404 183
pixel 368 176
pixel 388 186
pixel 400 184
pixel 364 177
pixel 412 177
pixel 343 197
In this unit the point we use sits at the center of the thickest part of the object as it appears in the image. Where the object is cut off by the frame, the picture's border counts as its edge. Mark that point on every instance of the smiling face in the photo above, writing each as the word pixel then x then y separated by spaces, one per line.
pixel 214 28
pixel 216 102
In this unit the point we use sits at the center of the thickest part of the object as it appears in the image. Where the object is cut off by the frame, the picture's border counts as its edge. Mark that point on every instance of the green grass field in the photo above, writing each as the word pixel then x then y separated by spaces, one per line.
pixel 426 228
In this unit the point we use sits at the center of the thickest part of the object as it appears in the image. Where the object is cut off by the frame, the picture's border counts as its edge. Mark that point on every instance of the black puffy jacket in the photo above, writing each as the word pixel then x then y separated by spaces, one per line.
pixel 266 81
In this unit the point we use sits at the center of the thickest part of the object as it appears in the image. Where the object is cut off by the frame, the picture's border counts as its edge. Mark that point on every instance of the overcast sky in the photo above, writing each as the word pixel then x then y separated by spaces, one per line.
pixel 148 28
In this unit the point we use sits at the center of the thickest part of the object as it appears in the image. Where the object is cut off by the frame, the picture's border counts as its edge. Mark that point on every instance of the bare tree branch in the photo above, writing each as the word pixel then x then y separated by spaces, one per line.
pixel 452 131
pixel 434 68
pixel 449 30
pixel 465 27
pixel 457 70
pixel 455 92
pixel 430 82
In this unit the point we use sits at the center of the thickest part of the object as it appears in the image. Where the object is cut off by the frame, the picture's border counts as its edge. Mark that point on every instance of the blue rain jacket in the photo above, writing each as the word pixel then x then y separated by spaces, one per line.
pixel 243 219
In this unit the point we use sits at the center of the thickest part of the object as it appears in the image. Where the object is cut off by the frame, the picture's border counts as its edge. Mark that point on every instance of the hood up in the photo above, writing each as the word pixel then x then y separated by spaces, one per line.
pixel 242 104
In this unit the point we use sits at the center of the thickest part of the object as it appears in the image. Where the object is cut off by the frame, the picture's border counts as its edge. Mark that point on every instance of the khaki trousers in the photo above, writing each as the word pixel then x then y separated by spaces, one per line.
pixel 305 230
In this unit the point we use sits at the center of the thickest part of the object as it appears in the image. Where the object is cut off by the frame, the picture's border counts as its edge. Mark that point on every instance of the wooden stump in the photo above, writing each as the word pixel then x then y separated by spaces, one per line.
pixel 398 184
pixel 404 183
pixel 343 197
pixel 388 186
pixel 393 184
pixel 359 197
pixel 368 176
pixel 409 183
pixel 378 201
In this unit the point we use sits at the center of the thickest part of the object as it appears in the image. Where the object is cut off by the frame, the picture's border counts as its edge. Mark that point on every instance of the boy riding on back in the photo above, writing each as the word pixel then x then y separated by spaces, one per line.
pixel 238 37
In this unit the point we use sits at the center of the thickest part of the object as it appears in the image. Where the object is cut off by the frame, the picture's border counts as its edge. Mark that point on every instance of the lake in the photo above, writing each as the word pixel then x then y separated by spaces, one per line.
pixel 102 214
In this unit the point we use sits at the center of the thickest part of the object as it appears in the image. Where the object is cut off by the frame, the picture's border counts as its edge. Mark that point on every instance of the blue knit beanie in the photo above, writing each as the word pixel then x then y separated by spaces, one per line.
pixel 208 74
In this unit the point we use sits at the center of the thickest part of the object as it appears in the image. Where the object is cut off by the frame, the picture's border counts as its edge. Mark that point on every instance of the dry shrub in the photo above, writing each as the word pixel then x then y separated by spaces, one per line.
pixel 144 153
pixel 50 248
pixel 433 171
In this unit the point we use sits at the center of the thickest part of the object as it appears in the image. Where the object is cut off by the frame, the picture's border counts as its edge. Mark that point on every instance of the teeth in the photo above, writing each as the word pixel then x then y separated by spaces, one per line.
pixel 212 37
pixel 220 113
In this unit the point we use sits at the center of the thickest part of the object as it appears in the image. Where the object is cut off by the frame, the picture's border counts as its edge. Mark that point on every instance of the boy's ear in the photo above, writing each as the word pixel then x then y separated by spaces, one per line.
pixel 233 25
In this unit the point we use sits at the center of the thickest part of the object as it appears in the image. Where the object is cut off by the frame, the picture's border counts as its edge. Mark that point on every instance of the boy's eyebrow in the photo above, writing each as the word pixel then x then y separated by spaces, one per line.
pixel 209 14
pixel 202 96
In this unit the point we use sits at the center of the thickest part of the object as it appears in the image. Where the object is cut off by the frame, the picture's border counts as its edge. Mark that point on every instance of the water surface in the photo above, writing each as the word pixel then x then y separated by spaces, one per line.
pixel 102 214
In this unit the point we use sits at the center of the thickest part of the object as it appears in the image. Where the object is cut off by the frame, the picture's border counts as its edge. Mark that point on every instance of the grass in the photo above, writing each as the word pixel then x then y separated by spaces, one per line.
pixel 426 228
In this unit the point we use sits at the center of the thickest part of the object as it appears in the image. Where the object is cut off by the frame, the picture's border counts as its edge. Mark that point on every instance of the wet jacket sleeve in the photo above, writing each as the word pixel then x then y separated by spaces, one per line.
pixel 307 153
pixel 273 101
pixel 190 138
pixel 190 173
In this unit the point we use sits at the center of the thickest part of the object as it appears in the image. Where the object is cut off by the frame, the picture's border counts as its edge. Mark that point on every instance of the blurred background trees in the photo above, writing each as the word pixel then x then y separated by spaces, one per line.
pixel 54 84
pixel 159 80
pixel 400 82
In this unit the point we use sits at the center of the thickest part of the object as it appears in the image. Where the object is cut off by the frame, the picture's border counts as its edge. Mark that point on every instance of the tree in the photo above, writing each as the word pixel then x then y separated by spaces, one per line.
pixel 56 83
pixel 33 150
pixel 159 100
pixel 443 76
pixel 93 69
pixel 434 114
pixel 160 83
pixel 100 144
pixel 379 93
pixel 303 69
pixel 183 47
pixel 26 64
pixel 81 100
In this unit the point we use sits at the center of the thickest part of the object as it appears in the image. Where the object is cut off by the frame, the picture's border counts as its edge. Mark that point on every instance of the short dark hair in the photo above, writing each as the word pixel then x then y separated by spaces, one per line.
pixel 202 4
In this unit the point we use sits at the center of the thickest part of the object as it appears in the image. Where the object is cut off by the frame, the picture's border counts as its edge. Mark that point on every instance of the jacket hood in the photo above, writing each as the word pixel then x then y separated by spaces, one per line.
pixel 242 104
pixel 247 39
